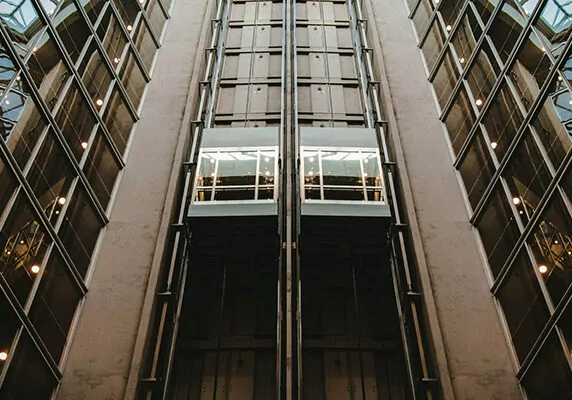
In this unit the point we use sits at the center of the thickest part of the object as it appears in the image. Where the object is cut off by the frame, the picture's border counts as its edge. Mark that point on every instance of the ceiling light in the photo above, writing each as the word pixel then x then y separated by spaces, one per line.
pixel 556 242
pixel 34 49
pixel 521 212
pixel 99 102
pixel 18 78
pixel 462 60
pixel 7 101
pixel 116 60
pixel 35 269
pixel 448 27
pixel 22 242
pixel 543 269
pixel 494 145
pixel 84 145
pixel 311 173
pixel 479 102
pixel 129 28
pixel 516 200
pixel 3 356
pixel 311 159
pixel 543 49
pixel 267 159
pixel 62 200
pixel 267 173
pixel 559 78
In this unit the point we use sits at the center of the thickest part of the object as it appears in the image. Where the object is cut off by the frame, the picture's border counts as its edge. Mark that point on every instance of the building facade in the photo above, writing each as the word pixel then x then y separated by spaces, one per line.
pixel 343 199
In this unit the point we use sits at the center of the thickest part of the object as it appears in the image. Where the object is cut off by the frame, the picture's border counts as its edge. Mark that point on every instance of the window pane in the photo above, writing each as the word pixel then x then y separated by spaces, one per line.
pixel 236 168
pixel 433 44
pixel 498 229
pixel 145 45
pixel 502 121
pixel 477 169
pixel 28 376
pixel 450 10
pixel 8 184
pixel 93 8
pixel 75 120
pixel 549 376
pixel 552 132
pixel 95 75
pixel 445 79
pixel 341 169
pixel 24 242
pixel 112 37
pixel 530 70
pixel 565 323
pixel 523 305
pixel 555 19
pixel 156 16
pixel 506 29
pixel 54 305
pixel 22 22
pixel 7 68
pixel 128 10
pixel 80 230
pixel 118 120
pixel 133 80
pixel 483 74
pixel 101 169
pixel 551 242
pixel 72 29
pixel 466 36
pixel 460 120
pixel 10 324
pixel 527 177
pixel 422 15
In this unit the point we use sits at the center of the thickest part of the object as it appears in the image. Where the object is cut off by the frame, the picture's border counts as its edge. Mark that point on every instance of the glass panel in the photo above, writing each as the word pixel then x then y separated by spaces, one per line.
pixel 10 324
pixel 22 22
pixel 527 177
pixel 266 172
pixel 72 29
pixel 112 37
pixel 549 376
pixel 8 184
pixel 524 307
pixel 54 305
pixel 498 229
pixel 24 242
pixel 128 10
pixel 553 134
pixel 75 120
pixel 460 120
pixel 341 168
pixel 433 44
pixel 132 78
pixel 422 15
pixel 445 79
pixel 48 71
pixel 502 120
pixel 145 45
pixel 551 242
pixel 450 10
pixel 80 230
pixel 506 29
pixel 28 377
pixel 101 169
pixel 565 324
pixel 156 16
pixel 7 68
pixel 312 174
pixel 118 120
pixel 236 168
pixel 466 36
pixel 95 75
pixel 21 133
pixel 482 75
pixel 485 8
pixel 554 22
pixel 50 177
pixel 530 70
pixel 477 169
pixel 93 9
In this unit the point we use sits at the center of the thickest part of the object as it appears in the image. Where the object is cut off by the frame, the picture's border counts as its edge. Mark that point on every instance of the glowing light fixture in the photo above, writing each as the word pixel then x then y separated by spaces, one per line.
pixel 516 201
pixel 84 145
pixel 62 200
pixel 3 356
pixel 35 269
pixel 479 102
pixel 129 28
pixel 494 145
pixel 448 27
pixel 99 102
pixel 543 269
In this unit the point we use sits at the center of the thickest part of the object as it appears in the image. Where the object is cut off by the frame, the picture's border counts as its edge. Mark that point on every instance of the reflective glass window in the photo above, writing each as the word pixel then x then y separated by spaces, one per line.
pixel 28 377
pixel 477 169
pixel 93 9
pixel 502 120
pixel 460 120
pixel 7 68
pixel 22 124
pixel 156 16
pixel 128 11
pixel 8 184
pixel 552 126
pixel 551 242
pixel 75 120
pixel 523 304
pixel 10 324
pixel 24 242
pixel 565 324
pixel 549 376
pixel 433 44
pixel 554 23
pixel 112 37
pixel 132 78
pixel 506 29
pixel 72 29
pixel 118 120
pixel 466 36
pixel 54 305
pixel 80 229
pixel 50 177
pixel 101 169
pixel 47 69
pixel 145 45
pixel 95 75
pixel 485 8
pixel 445 79
pixel 498 228
pixel 422 15
pixel 527 177
pixel 482 75
pixel 530 70
pixel 450 10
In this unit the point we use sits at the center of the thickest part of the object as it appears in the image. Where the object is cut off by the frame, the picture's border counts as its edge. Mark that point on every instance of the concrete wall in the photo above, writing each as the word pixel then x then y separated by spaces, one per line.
pixel 470 347
pixel 106 349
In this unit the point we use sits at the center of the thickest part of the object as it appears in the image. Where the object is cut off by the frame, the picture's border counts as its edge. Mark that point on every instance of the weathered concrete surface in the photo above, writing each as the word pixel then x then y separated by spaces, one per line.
pixel 100 357
pixel 474 352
